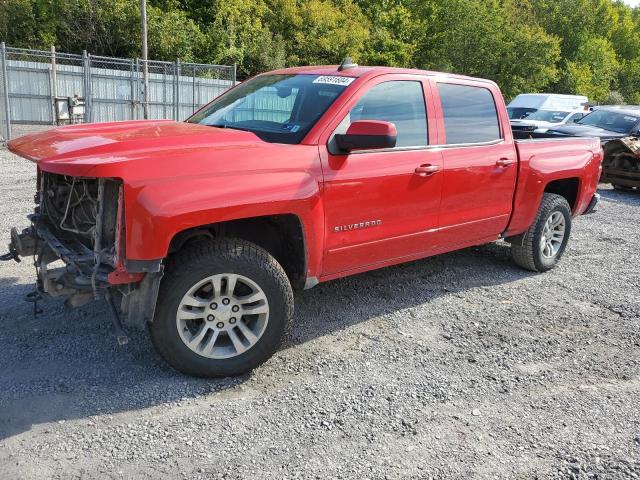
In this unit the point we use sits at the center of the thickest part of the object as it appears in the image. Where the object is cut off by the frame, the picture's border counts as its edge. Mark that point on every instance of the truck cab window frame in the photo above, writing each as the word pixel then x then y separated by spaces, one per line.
pixel 469 114
pixel 378 103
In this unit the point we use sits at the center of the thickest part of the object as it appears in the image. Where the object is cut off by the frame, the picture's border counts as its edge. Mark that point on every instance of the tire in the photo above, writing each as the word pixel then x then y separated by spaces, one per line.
pixel 621 188
pixel 528 251
pixel 203 272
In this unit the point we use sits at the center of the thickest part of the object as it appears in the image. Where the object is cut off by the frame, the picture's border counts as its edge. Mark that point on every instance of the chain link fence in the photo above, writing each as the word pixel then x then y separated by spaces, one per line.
pixel 53 88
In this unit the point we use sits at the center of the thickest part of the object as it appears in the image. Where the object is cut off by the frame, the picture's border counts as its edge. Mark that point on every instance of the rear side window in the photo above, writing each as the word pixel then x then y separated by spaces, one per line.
pixel 399 102
pixel 470 114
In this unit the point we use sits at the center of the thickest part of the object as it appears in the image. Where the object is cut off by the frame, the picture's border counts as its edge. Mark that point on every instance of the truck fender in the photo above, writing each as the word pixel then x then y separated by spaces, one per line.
pixel 157 212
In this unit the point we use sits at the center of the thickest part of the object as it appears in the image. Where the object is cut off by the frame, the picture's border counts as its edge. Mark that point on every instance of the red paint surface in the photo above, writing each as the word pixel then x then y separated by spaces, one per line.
pixel 372 127
pixel 430 200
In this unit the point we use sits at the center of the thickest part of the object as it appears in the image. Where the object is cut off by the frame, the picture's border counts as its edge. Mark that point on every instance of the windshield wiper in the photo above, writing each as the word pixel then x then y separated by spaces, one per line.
pixel 226 125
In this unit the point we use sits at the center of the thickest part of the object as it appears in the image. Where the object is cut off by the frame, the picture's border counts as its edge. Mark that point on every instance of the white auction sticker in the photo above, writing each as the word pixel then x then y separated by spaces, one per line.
pixel 334 80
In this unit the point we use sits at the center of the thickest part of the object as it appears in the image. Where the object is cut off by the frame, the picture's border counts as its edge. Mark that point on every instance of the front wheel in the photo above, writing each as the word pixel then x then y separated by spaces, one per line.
pixel 223 308
pixel 540 248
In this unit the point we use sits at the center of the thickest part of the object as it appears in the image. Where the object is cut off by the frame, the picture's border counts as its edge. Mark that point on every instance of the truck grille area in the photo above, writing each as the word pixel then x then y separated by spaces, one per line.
pixel 81 210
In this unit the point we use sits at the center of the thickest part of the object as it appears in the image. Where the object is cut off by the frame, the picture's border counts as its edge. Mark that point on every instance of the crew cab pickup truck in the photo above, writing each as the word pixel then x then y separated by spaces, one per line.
pixel 203 228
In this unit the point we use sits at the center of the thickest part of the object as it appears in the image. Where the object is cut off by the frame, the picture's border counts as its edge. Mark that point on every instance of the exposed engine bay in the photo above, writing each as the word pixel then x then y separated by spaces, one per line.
pixel 81 222
pixel 82 210
pixel 75 220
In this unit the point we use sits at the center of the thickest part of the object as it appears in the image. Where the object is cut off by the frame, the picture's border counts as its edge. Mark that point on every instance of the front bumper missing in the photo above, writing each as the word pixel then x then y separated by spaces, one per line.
pixel 79 280
pixel 78 275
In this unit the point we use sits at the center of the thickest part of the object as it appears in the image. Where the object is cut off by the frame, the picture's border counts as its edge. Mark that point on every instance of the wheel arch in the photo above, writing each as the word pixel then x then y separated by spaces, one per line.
pixel 282 235
pixel 568 188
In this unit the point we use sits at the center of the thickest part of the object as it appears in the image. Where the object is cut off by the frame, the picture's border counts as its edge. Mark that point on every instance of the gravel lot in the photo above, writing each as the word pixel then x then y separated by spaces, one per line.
pixel 459 366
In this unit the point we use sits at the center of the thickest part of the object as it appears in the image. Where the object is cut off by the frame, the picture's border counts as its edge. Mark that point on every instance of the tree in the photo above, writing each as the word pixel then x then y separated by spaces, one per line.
pixel 173 35
pixel 571 46
pixel 320 31
pixel 629 80
pixel 594 71
pixel 489 39
pixel 239 34
pixel 395 31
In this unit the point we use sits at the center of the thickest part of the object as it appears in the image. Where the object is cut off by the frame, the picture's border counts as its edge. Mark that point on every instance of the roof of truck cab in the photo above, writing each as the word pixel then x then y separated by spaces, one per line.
pixel 364 71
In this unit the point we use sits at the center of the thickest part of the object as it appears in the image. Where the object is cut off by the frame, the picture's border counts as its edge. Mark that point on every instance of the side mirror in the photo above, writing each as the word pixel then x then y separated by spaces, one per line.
pixel 367 135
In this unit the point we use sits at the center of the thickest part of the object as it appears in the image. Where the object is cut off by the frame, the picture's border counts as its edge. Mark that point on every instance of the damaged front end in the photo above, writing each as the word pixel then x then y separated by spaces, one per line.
pixel 76 239
pixel 621 164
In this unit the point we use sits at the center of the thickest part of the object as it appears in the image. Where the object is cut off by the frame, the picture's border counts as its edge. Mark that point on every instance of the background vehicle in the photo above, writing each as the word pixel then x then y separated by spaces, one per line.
pixel 292 178
pixel 527 103
pixel 542 120
pixel 618 128
pixel 603 123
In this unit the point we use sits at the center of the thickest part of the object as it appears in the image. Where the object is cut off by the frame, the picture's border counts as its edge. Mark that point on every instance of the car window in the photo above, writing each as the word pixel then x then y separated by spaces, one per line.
pixel 470 114
pixel 575 117
pixel 553 116
pixel 619 122
pixel 399 102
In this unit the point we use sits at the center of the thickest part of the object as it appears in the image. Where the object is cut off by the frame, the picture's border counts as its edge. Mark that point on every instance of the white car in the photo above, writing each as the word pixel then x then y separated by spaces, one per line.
pixel 542 120
pixel 527 103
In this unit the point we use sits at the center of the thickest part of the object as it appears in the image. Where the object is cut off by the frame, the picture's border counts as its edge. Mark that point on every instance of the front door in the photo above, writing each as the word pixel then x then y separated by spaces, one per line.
pixel 378 207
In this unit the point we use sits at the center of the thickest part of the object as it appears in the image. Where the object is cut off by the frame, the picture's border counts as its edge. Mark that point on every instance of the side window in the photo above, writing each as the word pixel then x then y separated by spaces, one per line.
pixel 470 114
pixel 399 102
pixel 575 117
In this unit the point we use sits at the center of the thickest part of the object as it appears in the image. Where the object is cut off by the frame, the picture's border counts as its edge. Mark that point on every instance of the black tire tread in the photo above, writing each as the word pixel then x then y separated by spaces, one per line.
pixel 232 249
pixel 523 252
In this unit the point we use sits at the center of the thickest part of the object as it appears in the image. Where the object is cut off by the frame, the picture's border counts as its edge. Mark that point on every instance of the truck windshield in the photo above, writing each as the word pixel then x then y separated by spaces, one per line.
pixel 618 122
pixel 554 116
pixel 277 108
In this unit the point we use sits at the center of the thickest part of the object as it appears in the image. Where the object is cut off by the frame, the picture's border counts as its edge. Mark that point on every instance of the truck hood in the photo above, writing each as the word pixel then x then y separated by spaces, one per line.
pixel 586 131
pixel 88 149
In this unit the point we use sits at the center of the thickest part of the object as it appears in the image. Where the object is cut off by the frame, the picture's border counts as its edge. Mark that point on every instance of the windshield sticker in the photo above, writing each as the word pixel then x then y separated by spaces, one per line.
pixel 289 127
pixel 334 80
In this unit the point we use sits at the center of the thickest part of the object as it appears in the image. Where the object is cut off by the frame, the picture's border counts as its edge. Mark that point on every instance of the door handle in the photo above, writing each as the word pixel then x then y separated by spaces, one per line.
pixel 505 162
pixel 426 170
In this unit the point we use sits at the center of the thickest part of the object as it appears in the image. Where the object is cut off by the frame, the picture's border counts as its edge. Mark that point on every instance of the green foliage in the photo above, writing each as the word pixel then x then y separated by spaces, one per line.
pixel 594 69
pixel 590 47
pixel 481 38
pixel 629 81
pixel 173 35
pixel 614 98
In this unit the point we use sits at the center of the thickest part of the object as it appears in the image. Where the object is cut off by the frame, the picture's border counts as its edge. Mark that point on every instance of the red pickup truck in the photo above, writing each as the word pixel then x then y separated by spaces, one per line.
pixel 202 228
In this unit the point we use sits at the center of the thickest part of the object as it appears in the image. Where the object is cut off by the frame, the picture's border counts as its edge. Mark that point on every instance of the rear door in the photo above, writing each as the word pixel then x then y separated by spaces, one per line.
pixel 480 161
pixel 377 207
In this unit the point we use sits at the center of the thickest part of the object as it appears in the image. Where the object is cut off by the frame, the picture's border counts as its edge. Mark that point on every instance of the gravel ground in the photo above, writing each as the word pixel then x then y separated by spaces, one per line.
pixel 459 366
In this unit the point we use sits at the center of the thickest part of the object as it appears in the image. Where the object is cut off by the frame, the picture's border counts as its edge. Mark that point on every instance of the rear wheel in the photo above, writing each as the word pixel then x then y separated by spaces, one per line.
pixel 223 308
pixel 540 248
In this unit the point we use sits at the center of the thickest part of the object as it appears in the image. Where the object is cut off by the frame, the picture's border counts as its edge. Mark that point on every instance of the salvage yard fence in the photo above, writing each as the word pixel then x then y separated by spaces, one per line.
pixel 53 88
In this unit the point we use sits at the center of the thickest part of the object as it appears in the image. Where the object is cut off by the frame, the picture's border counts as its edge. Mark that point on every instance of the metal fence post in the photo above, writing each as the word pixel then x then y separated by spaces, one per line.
pixel 193 88
pixel 54 85
pixel 178 90
pixel 133 89
pixel 5 92
pixel 233 74
pixel 88 115
pixel 138 88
